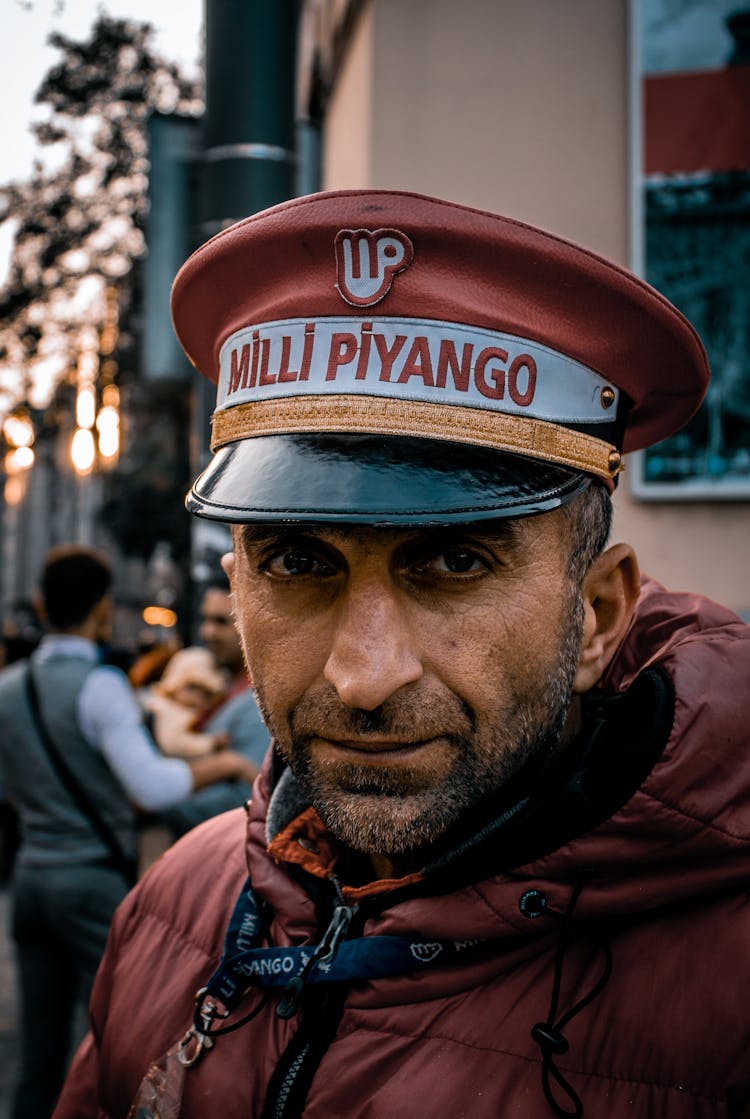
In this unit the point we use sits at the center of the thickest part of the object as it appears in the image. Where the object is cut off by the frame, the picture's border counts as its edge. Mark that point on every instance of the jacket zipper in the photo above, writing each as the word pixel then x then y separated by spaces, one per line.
pixel 305 1051
pixel 288 1082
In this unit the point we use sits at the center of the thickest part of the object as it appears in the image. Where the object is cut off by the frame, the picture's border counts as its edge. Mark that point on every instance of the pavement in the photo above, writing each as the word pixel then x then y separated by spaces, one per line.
pixel 8 1010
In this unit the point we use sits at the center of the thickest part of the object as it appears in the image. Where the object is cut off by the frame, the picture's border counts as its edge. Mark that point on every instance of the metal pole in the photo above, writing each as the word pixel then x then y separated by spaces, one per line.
pixel 249 157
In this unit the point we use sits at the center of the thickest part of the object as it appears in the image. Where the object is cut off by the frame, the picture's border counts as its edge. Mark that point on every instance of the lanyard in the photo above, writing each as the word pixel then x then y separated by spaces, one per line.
pixel 245 964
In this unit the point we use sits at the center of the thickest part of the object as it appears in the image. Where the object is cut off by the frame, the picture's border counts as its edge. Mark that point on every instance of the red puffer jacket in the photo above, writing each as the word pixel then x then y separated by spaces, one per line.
pixel 648 873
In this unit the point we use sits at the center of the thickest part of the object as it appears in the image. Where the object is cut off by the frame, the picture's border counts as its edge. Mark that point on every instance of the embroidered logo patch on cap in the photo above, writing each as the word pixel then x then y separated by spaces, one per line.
pixel 366 262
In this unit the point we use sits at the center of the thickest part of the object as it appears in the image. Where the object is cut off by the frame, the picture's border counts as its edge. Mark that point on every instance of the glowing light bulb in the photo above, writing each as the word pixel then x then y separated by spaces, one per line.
pixel 159 616
pixel 111 396
pixel 18 429
pixel 14 490
pixel 82 451
pixel 108 427
pixel 18 460
pixel 85 406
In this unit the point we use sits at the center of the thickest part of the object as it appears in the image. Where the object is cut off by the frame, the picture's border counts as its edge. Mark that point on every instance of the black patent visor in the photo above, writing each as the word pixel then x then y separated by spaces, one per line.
pixel 380 480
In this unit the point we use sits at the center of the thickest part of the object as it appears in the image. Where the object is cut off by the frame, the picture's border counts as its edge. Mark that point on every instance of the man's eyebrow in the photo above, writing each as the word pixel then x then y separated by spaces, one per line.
pixel 258 535
pixel 506 529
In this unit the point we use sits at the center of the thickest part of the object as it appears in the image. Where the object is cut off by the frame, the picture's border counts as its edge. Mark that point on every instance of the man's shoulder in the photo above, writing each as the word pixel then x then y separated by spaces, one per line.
pixel 12 675
pixel 191 889
pixel 220 838
pixel 165 942
pixel 677 629
pixel 703 650
pixel 12 682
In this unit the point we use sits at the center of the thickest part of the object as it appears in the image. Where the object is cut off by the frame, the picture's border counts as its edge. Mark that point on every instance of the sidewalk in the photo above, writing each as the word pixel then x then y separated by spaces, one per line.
pixel 8 1010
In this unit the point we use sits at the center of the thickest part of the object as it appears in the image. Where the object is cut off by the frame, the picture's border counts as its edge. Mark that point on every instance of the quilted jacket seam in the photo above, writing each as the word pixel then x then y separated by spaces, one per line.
pixel 705 825
pixel 595 1074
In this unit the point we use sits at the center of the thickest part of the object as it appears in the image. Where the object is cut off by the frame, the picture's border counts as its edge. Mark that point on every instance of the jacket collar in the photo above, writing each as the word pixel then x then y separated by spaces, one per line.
pixel 621 738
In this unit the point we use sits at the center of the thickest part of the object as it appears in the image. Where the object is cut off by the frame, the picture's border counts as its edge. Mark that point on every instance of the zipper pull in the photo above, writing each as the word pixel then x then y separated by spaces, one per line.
pixel 336 932
pixel 322 956
pixel 290 996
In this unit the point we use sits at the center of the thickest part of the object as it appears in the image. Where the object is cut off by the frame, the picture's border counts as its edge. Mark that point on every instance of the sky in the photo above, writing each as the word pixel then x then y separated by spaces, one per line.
pixel 25 59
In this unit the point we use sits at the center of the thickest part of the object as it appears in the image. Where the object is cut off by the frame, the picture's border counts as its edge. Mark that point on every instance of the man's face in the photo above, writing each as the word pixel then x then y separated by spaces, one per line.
pixel 218 632
pixel 407 674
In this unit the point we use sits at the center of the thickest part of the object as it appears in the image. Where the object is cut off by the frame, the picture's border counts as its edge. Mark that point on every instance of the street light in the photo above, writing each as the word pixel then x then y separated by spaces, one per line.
pixel 18 435
pixel 108 424
pixel 18 428
pixel 18 459
pixel 82 451
pixel 85 406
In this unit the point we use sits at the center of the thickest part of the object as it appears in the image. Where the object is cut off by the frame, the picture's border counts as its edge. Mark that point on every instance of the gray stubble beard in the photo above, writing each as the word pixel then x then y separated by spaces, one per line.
pixel 381 811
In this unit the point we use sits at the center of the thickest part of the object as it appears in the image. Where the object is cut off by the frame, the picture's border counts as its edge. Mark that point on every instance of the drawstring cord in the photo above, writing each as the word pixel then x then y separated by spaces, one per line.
pixel 549 1035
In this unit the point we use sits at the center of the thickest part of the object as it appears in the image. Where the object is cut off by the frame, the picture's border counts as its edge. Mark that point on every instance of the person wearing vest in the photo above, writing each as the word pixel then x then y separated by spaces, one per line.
pixel 495 865
pixel 78 764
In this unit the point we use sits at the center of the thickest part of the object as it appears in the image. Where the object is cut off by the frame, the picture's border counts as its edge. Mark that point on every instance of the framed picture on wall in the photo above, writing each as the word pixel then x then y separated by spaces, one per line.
pixel 691 225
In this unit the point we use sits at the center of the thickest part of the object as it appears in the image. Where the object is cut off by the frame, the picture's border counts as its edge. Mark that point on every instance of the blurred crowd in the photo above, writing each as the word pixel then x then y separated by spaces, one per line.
pixel 181 690
pixel 106 759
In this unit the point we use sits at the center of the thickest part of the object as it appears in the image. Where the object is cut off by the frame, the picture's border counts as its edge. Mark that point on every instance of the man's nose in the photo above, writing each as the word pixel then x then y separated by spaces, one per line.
pixel 373 653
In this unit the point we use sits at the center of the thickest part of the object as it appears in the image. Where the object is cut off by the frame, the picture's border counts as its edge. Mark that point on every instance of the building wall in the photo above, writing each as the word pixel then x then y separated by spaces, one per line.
pixel 347 136
pixel 522 109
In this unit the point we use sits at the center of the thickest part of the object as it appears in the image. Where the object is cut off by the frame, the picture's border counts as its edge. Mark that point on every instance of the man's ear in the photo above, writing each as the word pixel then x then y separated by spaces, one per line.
pixel 227 563
pixel 610 591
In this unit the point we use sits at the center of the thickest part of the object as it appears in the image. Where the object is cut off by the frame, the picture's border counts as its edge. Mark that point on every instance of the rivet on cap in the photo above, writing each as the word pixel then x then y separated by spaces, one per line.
pixel 614 462
pixel 607 397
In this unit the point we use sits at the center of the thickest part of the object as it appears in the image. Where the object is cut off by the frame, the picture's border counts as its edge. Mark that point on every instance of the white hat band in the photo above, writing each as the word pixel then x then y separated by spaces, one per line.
pixel 410 359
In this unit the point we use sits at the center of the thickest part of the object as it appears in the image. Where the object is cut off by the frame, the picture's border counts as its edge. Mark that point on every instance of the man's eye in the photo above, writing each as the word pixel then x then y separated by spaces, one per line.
pixel 460 560
pixel 454 561
pixel 297 561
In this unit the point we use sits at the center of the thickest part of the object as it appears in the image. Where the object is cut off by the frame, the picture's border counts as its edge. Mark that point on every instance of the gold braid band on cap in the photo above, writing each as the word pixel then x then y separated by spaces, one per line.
pixel 369 415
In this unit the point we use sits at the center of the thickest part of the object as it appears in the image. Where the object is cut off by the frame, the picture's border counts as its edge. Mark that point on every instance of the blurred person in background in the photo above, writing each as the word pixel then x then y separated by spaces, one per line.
pixel 191 685
pixel 150 662
pixel 20 636
pixel 79 765
pixel 235 715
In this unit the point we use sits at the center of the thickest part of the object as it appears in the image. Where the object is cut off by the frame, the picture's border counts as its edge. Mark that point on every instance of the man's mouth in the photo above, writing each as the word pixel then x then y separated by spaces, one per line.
pixel 371 749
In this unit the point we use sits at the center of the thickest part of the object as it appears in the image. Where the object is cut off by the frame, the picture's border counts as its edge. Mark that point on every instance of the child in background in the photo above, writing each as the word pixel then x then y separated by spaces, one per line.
pixel 190 685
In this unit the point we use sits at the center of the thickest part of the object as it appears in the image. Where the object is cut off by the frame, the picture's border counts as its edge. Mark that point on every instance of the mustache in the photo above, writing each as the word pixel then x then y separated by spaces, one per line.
pixel 412 717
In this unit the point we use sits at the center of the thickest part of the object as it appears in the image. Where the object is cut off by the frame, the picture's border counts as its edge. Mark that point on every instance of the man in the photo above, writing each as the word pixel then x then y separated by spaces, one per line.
pixel 498 857
pixel 237 715
pixel 78 813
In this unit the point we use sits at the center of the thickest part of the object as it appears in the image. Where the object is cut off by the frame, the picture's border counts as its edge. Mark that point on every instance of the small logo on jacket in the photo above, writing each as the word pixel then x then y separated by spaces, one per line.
pixel 426 953
pixel 366 262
